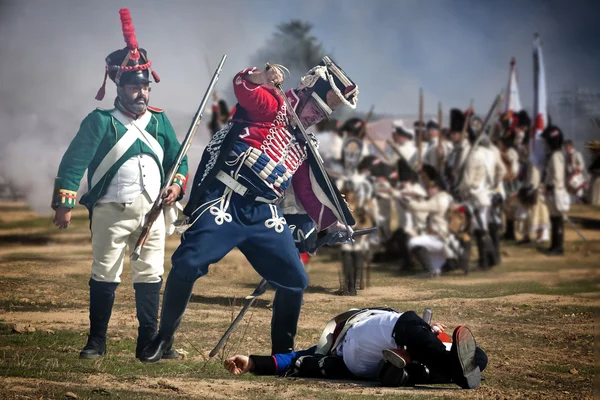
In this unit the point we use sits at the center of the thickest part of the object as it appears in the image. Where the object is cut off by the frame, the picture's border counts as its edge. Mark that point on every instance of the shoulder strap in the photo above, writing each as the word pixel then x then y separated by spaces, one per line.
pixel 140 126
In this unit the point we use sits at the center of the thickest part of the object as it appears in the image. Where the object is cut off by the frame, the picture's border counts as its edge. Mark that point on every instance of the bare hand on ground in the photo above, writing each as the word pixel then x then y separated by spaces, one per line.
pixel 238 365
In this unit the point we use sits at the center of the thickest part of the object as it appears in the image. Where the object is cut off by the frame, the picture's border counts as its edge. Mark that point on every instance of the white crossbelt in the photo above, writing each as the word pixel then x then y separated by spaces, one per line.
pixel 240 189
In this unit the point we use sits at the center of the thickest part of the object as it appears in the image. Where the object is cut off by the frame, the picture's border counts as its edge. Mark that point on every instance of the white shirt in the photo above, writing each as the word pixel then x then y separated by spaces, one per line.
pixel 364 342
pixel 139 173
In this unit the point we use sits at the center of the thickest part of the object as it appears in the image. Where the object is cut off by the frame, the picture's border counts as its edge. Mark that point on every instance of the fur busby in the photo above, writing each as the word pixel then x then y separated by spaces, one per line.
pixel 553 137
pixel 329 76
pixel 522 119
pixel 405 172
pixel 129 65
pixel 457 120
pixel 431 176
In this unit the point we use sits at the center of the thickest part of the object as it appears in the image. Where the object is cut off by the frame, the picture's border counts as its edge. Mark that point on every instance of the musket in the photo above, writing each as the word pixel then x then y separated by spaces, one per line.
pixel 363 129
pixel 312 149
pixel 420 133
pixel 440 147
pixel 395 150
pixel 364 133
pixel 330 239
pixel 157 207
pixel 380 151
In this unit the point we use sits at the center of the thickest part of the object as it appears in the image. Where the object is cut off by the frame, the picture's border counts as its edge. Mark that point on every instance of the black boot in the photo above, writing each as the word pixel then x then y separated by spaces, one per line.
pixel 422 256
pixel 557 237
pixel 359 277
pixel 146 304
pixel 482 249
pixel 102 298
pixel 348 283
pixel 465 257
pixel 284 323
pixel 509 231
pixel 494 231
pixel 175 300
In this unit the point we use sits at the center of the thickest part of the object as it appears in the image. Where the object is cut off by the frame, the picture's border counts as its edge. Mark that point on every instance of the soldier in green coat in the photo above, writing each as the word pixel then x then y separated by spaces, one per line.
pixel 127 152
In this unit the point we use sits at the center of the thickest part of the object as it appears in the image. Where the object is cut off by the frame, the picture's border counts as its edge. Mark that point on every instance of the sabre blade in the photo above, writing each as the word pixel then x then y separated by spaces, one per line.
pixel 260 290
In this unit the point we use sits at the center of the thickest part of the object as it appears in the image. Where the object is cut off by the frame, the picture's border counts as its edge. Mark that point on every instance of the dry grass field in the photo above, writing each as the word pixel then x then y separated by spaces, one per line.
pixel 534 315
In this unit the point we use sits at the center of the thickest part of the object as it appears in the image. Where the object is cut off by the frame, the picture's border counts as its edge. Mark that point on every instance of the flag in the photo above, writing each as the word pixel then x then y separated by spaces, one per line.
pixel 513 99
pixel 540 103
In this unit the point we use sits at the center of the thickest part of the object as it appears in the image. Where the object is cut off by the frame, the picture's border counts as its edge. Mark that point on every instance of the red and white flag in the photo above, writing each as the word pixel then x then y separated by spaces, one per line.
pixel 540 102
pixel 513 99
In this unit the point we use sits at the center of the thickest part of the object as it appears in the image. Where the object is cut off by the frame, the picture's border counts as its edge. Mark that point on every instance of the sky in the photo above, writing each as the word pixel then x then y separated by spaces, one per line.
pixel 52 56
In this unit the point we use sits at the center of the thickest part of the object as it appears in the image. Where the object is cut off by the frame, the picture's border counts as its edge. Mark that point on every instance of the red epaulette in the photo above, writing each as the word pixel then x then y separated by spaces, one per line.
pixel 155 109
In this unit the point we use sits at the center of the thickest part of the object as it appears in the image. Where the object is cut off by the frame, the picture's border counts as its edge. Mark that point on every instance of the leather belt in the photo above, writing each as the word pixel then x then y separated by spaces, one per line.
pixel 242 190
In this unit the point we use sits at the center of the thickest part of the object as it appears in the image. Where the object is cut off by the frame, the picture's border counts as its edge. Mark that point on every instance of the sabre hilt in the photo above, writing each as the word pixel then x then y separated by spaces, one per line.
pixel 337 237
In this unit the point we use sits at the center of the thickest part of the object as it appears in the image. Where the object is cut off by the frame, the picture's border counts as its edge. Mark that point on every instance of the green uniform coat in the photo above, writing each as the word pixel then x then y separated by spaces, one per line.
pixel 98 133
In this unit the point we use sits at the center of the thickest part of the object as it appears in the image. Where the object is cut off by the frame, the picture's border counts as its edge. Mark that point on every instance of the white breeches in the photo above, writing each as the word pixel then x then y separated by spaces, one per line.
pixel 117 225
pixel 434 246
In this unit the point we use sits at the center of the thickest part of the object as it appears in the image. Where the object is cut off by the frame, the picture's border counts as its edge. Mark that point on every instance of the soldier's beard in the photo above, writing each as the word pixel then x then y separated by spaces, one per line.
pixel 135 106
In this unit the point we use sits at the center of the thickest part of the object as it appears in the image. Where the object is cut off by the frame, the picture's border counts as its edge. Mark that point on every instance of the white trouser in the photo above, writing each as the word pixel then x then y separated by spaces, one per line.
pixel 117 225
pixel 434 246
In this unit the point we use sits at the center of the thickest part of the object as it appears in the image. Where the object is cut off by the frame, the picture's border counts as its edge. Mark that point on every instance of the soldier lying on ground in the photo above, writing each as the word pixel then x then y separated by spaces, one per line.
pixel 396 348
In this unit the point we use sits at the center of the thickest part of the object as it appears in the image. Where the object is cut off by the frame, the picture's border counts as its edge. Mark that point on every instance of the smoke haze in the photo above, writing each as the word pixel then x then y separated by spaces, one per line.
pixel 52 59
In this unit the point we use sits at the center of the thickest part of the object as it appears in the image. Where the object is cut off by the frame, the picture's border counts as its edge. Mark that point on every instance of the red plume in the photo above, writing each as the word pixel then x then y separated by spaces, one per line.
pixel 129 33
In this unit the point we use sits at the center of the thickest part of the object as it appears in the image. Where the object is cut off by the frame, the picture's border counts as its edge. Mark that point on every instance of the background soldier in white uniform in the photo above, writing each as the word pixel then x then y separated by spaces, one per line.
pixel 430 249
pixel 432 153
pixel 557 196
pixel 474 188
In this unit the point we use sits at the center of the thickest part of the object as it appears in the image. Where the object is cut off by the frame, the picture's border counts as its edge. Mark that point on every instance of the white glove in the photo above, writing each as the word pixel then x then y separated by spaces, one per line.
pixel 340 227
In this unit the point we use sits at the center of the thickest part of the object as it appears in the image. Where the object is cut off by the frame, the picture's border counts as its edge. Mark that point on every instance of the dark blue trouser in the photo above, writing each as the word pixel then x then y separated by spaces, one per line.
pixel 261 234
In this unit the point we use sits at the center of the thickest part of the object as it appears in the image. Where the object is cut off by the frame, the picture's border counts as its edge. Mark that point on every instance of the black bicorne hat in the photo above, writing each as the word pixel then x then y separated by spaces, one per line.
pixel 432 124
pixel 129 65
pixel 433 177
pixel 405 172
pixel 554 137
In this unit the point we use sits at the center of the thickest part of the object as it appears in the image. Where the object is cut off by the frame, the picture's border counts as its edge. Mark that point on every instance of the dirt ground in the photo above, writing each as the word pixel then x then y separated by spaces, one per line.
pixel 535 316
